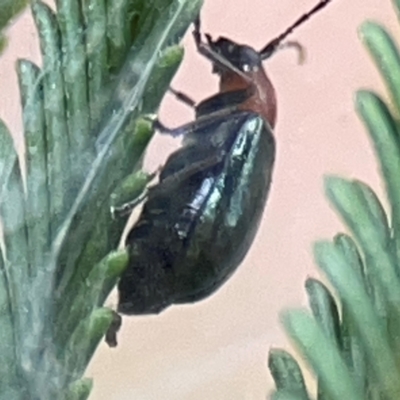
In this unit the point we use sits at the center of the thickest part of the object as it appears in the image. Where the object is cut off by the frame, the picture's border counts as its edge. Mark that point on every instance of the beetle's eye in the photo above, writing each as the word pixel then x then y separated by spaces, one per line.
pixel 250 68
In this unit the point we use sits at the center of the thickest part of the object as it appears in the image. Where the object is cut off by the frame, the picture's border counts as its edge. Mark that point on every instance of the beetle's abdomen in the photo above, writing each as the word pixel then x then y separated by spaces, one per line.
pixel 200 220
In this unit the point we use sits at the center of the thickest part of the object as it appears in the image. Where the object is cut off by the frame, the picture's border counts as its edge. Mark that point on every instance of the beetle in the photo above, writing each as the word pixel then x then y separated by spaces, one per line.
pixel 198 223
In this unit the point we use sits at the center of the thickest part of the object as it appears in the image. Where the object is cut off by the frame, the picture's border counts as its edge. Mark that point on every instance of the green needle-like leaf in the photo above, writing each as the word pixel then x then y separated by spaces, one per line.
pixel 90 293
pixel 95 15
pixel 9 370
pixel 117 31
pixel 85 339
pixel 8 10
pixel 57 143
pixel 69 19
pixel 322 354
pixel 352 350
pixel 37 201
pixel 383 131
pixel 286 394
pixel 386 56
pixel 79 390
pixel 8 157
pixel 324 308
pixel 359 305
pixel 286 373
pixel 364 215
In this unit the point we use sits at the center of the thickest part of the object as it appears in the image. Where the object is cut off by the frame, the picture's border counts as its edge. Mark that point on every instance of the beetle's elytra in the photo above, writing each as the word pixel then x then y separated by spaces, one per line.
pixel 201 217
pixel 200 220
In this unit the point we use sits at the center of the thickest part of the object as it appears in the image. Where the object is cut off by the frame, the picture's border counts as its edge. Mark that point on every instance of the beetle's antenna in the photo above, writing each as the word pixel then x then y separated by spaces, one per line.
pixel 301 51
pixel 274 44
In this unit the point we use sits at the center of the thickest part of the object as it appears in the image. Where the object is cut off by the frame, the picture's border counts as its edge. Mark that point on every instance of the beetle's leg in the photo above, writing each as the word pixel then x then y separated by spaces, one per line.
pixel 200 123
pixel 183 98
pixel 174 132
pixel 197 31
pixel 160 127
pixel 124 209
pixel 111 334
pixel 127 208
pixel 186 173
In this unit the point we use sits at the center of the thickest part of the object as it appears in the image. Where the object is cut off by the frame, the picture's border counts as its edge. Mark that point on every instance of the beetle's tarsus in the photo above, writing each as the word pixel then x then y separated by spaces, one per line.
pixel 184 98
pixel 111 334
pixel 127 208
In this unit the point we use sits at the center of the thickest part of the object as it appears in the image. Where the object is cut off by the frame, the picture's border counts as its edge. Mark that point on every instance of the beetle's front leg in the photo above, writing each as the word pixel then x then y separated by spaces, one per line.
pixel 161 128
pixel 201 122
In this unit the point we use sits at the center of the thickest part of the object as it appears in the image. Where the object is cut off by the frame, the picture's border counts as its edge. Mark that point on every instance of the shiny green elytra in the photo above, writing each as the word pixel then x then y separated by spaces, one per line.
pixel 200 220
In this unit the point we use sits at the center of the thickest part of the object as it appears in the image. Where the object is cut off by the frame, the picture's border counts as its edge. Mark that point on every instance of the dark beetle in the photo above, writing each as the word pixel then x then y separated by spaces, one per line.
pixel 200 220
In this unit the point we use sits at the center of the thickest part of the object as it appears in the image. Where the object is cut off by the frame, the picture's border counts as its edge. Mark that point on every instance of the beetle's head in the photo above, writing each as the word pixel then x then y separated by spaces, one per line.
pixel 226 54
pixel 242 57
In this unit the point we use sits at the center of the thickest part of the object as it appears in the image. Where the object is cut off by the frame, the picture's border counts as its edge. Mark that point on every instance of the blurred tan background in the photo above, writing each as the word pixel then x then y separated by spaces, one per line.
pixel 217 349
